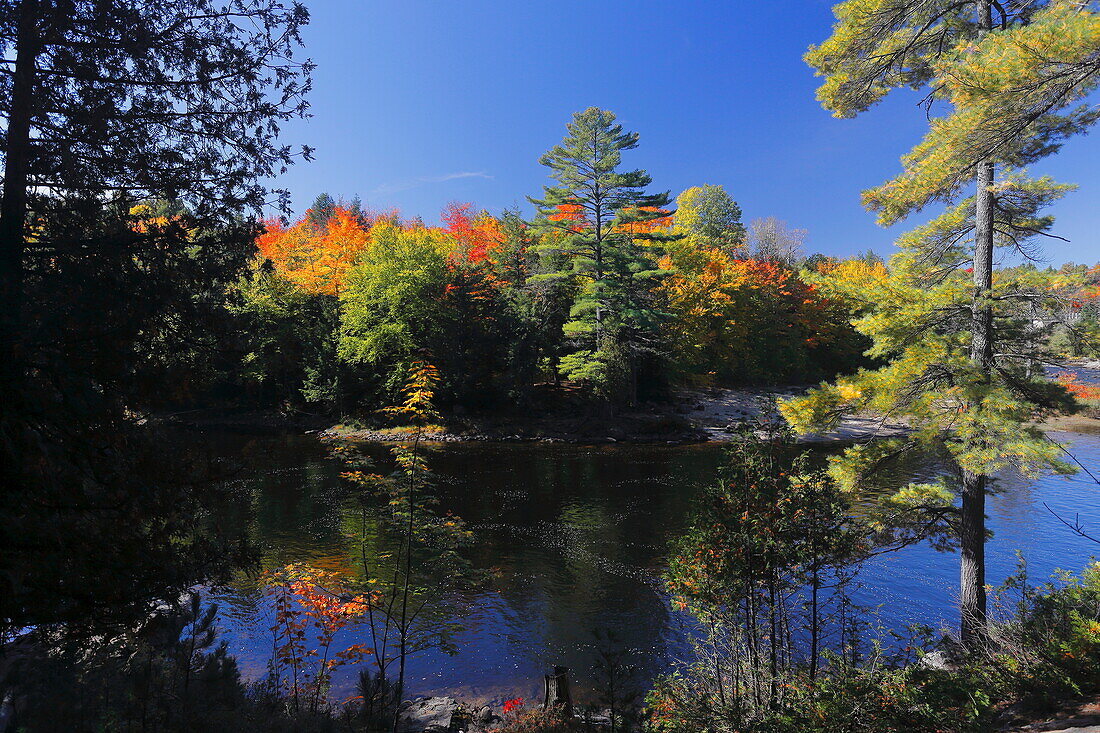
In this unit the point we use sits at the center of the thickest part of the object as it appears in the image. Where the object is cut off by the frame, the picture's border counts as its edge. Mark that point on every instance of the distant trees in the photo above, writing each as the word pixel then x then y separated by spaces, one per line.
pixel 738 320
pixel 771 239
pixel 606 288
pixel 414 289
pixel 709 218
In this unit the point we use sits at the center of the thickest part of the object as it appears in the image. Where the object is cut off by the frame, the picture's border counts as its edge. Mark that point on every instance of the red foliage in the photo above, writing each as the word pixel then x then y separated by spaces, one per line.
pixel 476 236
pixel 1080 390
pixel 569 213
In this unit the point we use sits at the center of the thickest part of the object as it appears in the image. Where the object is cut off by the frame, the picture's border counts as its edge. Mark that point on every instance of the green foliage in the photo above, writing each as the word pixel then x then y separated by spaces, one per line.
pixel 389 305
pixel 407 293
pixel 1008 90
pixel 291 348
pixel 963 350
pixel 1044 648
pixel 709 218
pixel 918 320
pixel 596 223
pixel 769 555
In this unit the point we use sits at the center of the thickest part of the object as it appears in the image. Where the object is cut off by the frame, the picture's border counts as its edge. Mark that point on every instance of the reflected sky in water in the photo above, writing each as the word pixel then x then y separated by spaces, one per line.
pixel 574 539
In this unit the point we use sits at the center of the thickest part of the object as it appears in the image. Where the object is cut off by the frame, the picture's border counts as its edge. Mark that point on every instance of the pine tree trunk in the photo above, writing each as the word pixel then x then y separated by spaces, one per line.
pixel 972 600
pixel 13 204
pixel 972 561
pixel 972 531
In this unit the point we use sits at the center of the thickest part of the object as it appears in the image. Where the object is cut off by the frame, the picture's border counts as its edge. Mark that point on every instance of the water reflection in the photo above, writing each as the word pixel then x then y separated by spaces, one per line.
pixel 574 539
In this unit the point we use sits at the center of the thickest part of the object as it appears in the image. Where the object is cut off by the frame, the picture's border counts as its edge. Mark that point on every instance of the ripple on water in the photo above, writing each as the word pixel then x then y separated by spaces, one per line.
pixel 575 537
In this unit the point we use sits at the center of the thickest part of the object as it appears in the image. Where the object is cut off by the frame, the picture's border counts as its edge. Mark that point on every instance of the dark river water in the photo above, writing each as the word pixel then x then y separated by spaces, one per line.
pixel 576 537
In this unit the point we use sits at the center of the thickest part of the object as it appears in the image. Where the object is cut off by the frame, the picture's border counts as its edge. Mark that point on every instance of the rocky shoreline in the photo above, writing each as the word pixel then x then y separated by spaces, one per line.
pixel 688 416
pixel 449 715
pixel 691 416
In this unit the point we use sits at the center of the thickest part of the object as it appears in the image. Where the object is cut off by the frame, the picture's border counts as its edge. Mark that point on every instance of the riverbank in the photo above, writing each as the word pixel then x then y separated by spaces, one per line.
pixel 689 416
pixel 566 414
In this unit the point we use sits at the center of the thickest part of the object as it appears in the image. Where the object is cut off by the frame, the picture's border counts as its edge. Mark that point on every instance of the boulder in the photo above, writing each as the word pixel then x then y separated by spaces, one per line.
pixel 427 715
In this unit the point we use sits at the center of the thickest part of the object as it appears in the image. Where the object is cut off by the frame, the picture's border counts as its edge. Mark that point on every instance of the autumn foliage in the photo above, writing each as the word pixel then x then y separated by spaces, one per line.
pixel 311 606
pixel 476 237
pixel 316 261
pixel 738 319
pixel 1080 390
pixel 489 299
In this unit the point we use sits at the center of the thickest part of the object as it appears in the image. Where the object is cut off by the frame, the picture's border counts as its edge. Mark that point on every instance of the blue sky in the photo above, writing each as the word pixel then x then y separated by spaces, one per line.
pixel 417 103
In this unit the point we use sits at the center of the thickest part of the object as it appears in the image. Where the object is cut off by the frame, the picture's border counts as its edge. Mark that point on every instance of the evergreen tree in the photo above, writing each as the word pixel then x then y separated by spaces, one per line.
pixel 118 102
pixel 323 209
pixel 959 358
pixel 108 107
pixel 599 227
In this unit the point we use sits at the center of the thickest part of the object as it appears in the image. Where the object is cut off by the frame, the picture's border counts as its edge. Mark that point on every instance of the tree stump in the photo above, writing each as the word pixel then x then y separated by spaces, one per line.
pixel 557 691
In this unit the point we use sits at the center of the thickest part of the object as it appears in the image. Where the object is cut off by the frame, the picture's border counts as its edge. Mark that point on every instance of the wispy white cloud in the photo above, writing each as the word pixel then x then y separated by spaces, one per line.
pixel 387 188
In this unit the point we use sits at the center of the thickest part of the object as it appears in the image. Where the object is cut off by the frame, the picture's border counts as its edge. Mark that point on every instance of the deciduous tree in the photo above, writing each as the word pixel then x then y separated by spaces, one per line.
pixel 709 217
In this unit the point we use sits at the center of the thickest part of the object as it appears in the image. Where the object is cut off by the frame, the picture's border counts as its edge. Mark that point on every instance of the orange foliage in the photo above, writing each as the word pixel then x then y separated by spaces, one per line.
pixel 657 224
pixel 1080 390
pixel 305 597
pixel 576 213
pixel 476 236
pixel 316 261
pixel 721 306
pixel 569 213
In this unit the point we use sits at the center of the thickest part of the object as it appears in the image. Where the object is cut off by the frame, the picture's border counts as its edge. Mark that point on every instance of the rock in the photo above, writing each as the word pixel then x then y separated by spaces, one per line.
pixel 427 715
pixel 597 718
pixel 484 715
pixel 937 660
pixel 947 658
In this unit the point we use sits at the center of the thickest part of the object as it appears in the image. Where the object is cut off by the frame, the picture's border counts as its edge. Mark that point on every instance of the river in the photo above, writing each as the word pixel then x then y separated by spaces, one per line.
pixel 574 538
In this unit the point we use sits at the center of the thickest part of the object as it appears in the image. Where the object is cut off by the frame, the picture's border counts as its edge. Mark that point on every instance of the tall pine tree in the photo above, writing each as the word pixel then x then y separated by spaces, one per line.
pixel 959 356
pixel 601 228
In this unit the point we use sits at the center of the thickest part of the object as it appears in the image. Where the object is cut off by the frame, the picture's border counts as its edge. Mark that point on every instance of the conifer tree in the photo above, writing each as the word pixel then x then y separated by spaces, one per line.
pixel 323 209
pixel 959 356
pixel 121 102
pixel 599 227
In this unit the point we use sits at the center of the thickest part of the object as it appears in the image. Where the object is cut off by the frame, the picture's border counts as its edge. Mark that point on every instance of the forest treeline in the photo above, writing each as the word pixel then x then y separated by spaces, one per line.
pixel 330 310
pixel 334 306
pixel 621 297
pixel 622 292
